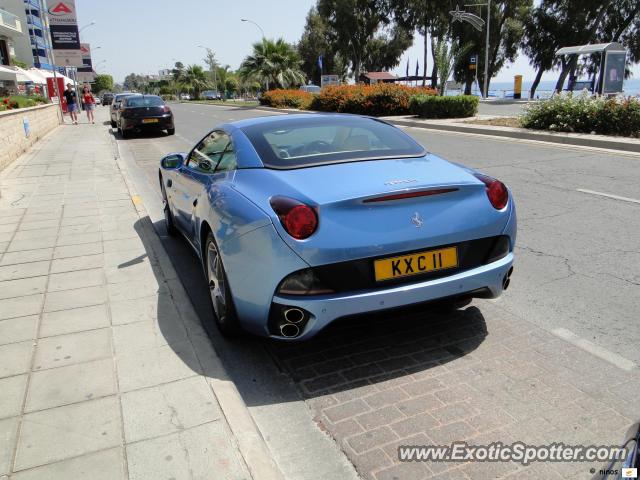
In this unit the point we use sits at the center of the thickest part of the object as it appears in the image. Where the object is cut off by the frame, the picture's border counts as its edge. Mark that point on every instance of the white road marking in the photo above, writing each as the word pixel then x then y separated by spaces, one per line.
pixel 184 139
pixel 596 350
pixel 608 195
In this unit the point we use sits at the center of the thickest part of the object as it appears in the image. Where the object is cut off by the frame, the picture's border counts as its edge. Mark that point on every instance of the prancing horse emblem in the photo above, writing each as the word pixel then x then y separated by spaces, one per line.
pixel 417 220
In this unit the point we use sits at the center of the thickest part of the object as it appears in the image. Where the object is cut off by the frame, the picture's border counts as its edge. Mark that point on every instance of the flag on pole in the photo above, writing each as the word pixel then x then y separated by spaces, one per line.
pixel 407 72
pixel 320 63
pixel 417 67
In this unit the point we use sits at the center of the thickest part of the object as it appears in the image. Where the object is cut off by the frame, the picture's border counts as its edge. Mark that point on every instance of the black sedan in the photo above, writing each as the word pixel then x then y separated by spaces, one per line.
pixel 144 112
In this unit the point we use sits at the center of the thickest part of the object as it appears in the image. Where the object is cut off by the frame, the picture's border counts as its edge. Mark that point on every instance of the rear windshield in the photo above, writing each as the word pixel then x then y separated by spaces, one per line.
pixel 140 101
pixel 297 142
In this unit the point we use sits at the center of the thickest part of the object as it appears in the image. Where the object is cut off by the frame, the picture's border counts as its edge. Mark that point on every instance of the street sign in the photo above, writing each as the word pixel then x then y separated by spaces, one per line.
pixel 473 62
pixel 326 80
pixel 63 27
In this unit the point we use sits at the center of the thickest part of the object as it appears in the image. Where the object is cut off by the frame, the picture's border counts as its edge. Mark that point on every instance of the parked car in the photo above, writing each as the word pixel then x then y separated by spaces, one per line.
pixel 107 98
pixel 144 112
pixel 115 106
pixel 301 219
pixel 310 88
pixel 96 100
pixel 211 95
pixel 185 96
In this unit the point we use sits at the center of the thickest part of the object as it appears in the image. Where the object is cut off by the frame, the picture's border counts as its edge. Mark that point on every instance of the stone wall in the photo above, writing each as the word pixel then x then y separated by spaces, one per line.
pixel 13 141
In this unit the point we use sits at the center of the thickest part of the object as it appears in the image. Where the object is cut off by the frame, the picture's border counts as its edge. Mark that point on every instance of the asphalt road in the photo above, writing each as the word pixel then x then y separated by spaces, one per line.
pixel 578 260
pixel 576 272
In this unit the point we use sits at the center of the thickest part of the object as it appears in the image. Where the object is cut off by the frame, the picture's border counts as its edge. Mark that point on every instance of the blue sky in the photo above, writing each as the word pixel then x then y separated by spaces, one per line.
pixel 143 36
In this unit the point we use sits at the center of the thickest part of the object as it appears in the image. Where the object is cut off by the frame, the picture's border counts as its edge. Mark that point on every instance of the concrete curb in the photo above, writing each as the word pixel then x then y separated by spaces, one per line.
pixel 248 438
pixel 594 141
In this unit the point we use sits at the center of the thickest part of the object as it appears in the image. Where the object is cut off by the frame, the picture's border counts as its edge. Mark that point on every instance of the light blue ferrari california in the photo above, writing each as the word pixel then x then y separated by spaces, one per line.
pixel 302 219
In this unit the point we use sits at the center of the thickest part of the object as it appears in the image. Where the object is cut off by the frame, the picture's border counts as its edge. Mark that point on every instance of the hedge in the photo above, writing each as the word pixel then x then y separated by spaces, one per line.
pixel 457 106
pixel 287 99
pixel 585 114
pixel 380 99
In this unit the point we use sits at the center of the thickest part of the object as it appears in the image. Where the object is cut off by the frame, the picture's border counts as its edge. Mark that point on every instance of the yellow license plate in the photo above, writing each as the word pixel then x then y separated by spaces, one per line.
pixel 415 263
pixel 149 120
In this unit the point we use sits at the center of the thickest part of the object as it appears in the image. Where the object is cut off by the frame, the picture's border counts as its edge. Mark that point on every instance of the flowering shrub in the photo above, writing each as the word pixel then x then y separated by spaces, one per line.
pixel 20 101
pixel 456 106
pixel 585 114
pixel 379 99
pixel 287 99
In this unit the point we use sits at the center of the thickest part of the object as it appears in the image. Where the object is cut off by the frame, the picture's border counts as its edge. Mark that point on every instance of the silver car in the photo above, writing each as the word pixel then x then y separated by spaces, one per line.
pixel 115 107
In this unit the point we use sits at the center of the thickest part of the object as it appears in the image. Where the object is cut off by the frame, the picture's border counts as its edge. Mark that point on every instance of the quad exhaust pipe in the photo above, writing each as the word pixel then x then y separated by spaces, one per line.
pixel 293 315
pixel 292 322
pixel 289 330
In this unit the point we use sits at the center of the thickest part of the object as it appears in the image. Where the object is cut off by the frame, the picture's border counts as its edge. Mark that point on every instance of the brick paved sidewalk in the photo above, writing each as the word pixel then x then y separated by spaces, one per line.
pixel 479 375
pixel 105 372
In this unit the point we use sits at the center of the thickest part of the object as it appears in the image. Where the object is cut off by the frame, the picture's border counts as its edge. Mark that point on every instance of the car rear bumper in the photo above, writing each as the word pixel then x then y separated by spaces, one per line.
pixel 163 123
pixel 324 309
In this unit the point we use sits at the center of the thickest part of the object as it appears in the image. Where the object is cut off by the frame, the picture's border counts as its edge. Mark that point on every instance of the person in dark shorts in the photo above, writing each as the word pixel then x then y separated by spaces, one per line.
pixel 72 103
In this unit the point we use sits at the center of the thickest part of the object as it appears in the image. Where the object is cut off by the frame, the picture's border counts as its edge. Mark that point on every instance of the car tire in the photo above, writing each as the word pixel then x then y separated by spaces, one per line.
pixel 114 124
pixel 170 225
pixel 219 292
pixel 171 131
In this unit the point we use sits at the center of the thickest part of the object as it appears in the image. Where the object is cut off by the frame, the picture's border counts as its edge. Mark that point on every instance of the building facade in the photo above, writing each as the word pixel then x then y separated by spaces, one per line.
pixel 32 44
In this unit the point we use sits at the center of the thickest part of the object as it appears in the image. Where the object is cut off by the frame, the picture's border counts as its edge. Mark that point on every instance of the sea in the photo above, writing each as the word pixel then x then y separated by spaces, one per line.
pixel 545 89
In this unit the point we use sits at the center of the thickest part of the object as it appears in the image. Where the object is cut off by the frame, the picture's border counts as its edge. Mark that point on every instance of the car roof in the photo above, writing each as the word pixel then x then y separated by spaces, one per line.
pixel 297 118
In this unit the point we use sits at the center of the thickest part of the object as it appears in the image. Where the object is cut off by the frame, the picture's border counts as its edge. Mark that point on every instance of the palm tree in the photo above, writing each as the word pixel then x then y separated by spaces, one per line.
pixel 274 63
pixel 446 58
pixel 195 79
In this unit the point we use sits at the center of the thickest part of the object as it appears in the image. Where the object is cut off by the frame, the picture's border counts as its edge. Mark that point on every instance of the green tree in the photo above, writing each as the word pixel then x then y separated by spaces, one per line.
pixel 231 85
pixel 431 19
pixel 275 63
pixel 555 24
pixel 355 29
pixel 316 42
pixel 178 71
pixel 134 82
pixel 195 79
pixel 446 58
pixel 222 74
pixel 213 64
pixel 507 29
pixel 19 63
pixel 103 82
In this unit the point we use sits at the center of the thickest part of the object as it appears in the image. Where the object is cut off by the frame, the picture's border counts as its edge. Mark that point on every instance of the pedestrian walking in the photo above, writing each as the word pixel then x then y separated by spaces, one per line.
pixel 72 103
pixel 89 103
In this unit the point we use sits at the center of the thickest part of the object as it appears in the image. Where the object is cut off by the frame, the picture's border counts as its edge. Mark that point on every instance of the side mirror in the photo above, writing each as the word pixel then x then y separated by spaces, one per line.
pixel 172 161
pixel 205 165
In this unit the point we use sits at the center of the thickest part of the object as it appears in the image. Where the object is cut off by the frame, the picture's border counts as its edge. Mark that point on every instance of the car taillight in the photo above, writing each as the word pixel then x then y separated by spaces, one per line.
pixel 167 109
pixel 299 220
pixel 496 191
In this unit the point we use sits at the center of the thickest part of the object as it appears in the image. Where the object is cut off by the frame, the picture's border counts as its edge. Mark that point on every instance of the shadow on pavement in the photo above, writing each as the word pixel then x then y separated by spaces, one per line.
pixel 134 135
pixel 350 353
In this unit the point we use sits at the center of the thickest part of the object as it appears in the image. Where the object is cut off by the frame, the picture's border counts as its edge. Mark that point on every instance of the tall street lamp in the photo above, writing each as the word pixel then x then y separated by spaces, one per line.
pixel 263 37
pixel 255 23
pixel 86 26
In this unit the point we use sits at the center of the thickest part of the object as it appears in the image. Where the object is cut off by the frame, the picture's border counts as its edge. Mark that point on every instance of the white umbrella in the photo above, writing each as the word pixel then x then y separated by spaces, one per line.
pixel 49 74
pixel 7 74
pixel 37 75
pixel 25 76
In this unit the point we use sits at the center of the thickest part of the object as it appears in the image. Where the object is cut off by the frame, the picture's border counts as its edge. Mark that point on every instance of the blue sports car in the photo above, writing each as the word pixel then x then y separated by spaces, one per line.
pixel 302 219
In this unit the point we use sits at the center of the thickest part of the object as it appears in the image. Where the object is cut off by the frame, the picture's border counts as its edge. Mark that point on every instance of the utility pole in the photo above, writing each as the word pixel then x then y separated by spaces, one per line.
pixel 486 52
